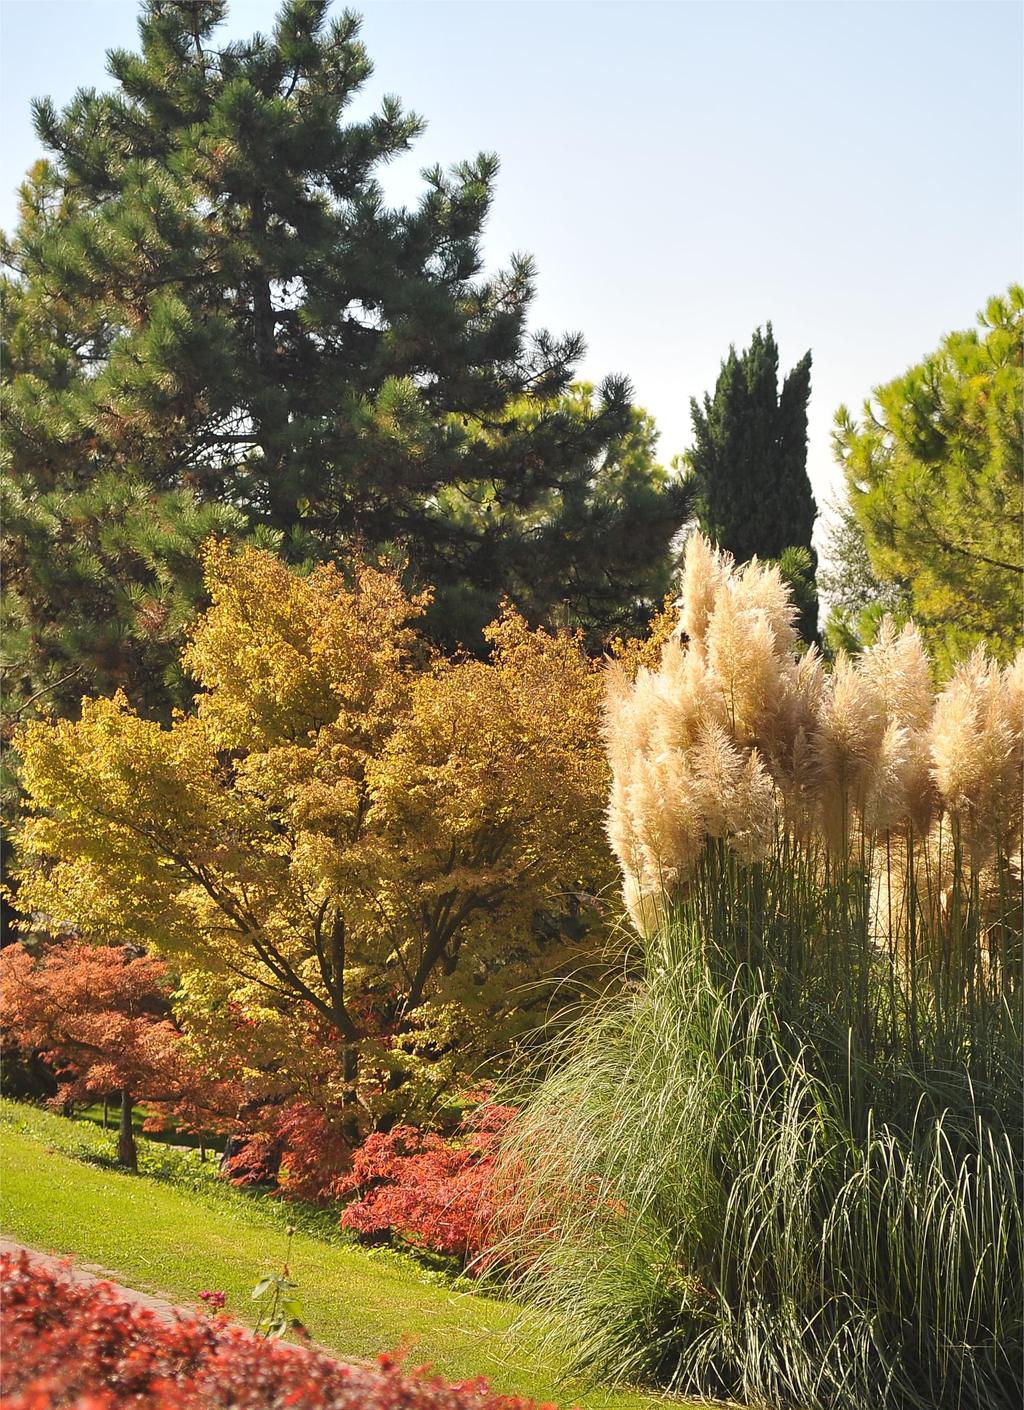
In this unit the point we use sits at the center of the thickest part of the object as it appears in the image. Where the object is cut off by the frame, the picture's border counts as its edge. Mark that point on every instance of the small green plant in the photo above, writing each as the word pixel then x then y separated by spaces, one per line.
pixel 280 1309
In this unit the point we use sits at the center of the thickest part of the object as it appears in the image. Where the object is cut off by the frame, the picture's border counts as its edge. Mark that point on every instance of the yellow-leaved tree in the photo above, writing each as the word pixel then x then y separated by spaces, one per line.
pixel 347 833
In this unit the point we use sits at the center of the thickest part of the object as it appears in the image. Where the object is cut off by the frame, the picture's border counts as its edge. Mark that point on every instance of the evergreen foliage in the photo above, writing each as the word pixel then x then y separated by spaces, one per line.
pixel 858 600
pixel 210 303
pixel 748 465
pixel 99 586
pixel 933 484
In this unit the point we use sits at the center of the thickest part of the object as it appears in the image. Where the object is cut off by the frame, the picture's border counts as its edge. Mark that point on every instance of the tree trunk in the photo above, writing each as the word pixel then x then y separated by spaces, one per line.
pixel 350 1035
pixel 127 1155
pixel 349 1100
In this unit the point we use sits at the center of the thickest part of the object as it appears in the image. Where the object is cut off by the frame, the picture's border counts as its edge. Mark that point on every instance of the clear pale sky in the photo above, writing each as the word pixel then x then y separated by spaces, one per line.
pixel 683 172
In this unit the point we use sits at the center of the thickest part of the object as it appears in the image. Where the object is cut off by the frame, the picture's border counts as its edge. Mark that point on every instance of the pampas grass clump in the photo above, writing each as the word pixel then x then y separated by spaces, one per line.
pixel 785 1163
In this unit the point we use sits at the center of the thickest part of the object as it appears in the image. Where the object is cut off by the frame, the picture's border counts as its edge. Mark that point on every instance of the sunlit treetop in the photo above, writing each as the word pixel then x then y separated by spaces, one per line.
pixel 933 476
pixel 345 818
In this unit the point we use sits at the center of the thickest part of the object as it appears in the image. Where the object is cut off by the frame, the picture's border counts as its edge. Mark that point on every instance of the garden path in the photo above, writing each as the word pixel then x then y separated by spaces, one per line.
pixel 159 1306
pixel 93 1273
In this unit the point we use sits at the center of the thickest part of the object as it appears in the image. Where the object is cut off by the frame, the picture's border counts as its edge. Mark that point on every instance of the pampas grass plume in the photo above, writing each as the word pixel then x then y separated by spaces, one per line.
pixel 704 569
pixel 971 742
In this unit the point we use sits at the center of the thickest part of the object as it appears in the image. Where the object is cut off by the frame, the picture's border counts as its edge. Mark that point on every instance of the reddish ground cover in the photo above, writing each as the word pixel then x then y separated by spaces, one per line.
pixel 82 1346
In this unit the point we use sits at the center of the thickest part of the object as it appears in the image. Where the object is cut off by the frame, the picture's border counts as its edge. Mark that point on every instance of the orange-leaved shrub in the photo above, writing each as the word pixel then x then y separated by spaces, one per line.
pixel 346 826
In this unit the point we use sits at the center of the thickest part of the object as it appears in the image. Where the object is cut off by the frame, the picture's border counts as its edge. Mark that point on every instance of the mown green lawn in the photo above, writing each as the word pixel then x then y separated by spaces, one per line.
pixel 175 1231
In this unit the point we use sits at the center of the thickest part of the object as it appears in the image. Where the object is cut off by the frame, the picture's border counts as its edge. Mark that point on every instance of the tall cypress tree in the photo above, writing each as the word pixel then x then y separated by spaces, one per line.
pixel 748 466
pixel 214 319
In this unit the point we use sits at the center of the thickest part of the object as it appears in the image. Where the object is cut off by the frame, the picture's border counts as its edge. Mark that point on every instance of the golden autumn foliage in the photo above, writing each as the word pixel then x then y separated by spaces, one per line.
pixel 347 828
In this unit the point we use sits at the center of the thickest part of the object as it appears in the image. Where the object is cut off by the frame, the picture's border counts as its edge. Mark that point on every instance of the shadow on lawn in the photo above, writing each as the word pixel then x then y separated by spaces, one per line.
pixel 170 1136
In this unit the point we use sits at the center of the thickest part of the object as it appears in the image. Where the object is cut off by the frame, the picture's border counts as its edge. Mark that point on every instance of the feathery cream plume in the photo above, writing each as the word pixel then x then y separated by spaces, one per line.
pixel 735 734
pixel 1013 713
pixel 798 784
pixel 1013 690
pixel 761 588
pixel 885 801
pixel 645 908
pixel 972 746
pixel 897 666
pixel 743 661
pixel 632 712
pixel 754 821
pixel 847 743
pixel 791 716
pixel 619 826
pixel 665 817
pixel 680 699
pixel 718 773
pixel 704 569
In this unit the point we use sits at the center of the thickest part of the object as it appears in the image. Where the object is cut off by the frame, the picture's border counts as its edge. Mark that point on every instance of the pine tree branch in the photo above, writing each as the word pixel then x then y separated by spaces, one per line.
pixel 16 714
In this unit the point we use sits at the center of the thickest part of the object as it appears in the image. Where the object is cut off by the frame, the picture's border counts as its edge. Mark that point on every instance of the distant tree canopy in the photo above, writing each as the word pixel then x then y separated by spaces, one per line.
pixel 748 466
pixel 858 601
pixel 933 478
pixel 215 322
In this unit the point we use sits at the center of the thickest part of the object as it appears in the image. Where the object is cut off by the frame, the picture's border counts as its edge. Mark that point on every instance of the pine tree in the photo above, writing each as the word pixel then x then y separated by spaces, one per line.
pixel 748 466
pixel 212 304
pixel 581 555
pixel 932 473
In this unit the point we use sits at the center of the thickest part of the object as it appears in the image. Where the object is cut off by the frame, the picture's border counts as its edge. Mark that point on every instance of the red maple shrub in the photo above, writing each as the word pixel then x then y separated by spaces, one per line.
pixel 82 1346
pixel 315 1152
pixel 296 1148
pixel 254 1160
pixel 100 1016
pixel 430 1191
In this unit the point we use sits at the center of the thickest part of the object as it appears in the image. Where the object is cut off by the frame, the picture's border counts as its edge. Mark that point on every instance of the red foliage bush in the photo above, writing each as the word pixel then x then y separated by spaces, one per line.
pixel 97 1013
pixel 430 1191
pixel 255 1160
pixel 100 1016
pixel 81 1346
pixel 296 1149
pixel 315 1152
